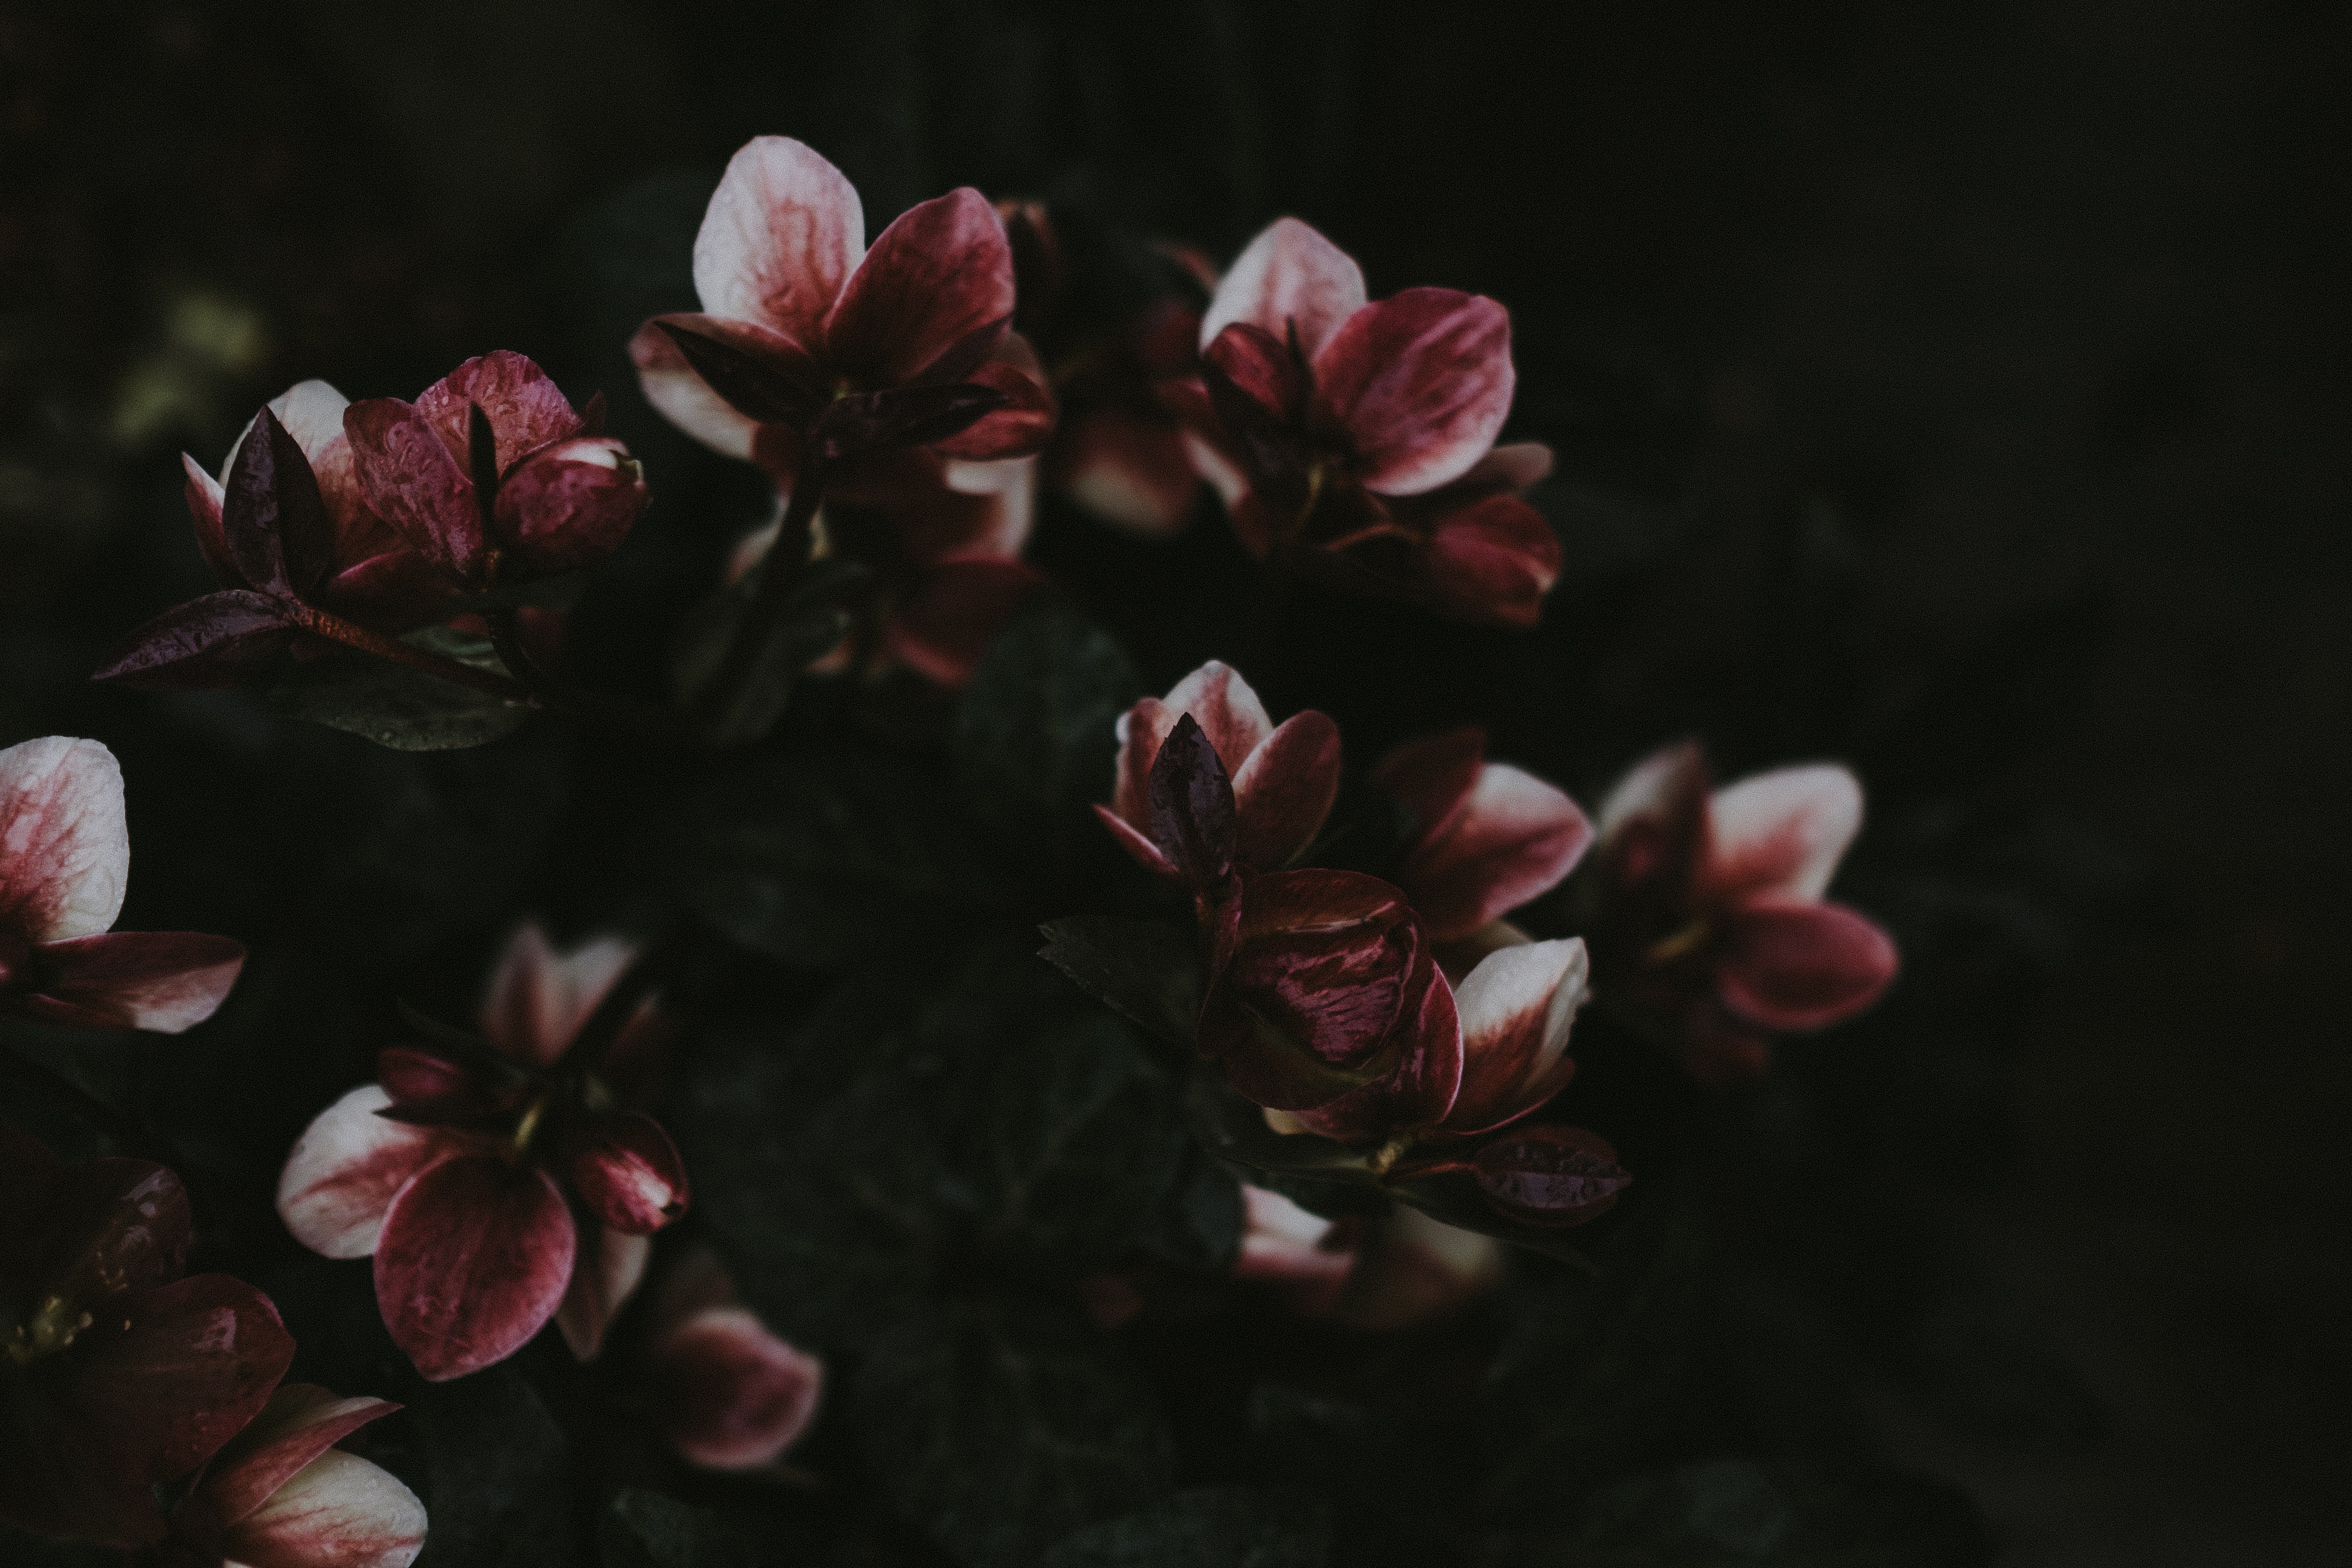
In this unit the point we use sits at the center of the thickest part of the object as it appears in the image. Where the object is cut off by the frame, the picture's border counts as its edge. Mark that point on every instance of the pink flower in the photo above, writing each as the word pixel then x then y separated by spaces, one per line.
pixel 65 857
pixel 1355 442
pixel 461 1172
pixel 1712 911
pixel 115 1373
pixel 727 1394
pixel 1283 778
pixel 1487 838
pixel 492 476
pixel 281 1494
pixel 807 337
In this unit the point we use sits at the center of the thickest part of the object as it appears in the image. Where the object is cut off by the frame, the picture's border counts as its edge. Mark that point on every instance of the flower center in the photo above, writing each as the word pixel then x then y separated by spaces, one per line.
pixel 1682 944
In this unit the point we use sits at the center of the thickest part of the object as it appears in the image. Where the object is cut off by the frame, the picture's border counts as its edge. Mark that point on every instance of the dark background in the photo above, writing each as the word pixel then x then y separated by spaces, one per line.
pixel 2028 320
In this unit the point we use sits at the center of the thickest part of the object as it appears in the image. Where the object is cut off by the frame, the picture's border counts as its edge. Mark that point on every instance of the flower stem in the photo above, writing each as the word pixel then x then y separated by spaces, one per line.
pixel 326 623
pixel 780 572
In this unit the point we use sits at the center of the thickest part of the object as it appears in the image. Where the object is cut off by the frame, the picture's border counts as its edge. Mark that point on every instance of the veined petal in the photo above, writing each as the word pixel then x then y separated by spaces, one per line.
pixel 1794 963
pixel 540 1000
pixel 1515 1008
pixel 1225 707
pixel 1285 789
pixel 1289 274
pixel 526 408
pixel 1782 832
pixel 1258 365
pixel 301 1422
pixel 346 1169
pixel 1420 383
pixel 1511 840
pixel 65 843
pixel 413 481
pixel 939 273
pixel 571 504
pixel 163 981
pixel 606 1272
pixel 628 1172
pixel 729 1394
pixel 782 233
pixel 339 1511
pixel 474 1258
pixel 1420 1087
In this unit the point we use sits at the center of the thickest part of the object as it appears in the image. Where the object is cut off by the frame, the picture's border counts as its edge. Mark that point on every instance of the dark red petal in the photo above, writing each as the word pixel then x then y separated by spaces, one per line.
pixel 1493 562
pixel 762 374
pixel 1790 963
pixel 1420 383
pixel 415 482
pixel 163 981
pixel 605 1272
pixel 391 591
pixel 628 1172
pixel 569 505
pixel 1129 469
pixel 939 273
pixel 921 416
pixel 1431 777
pixel 1260 435
pixel 1019 425
pixel 524 406
pixel 942 629
pixel 1140 850
pixel 729 1394
pixel 1550 1175
pixel 1191 803
pixel 68 846
pixel 220 640
pixel 301 1422
pixel 1285 790
pixel 473 1260
pixel 1259 365
pixel 1424 1074
pixel 1511 840
pixel 410 1076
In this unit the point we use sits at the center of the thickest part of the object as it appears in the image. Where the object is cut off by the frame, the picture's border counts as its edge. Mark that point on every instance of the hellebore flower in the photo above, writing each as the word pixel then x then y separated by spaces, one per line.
pixel 1283 779
pixel 809 343
pixel 492 478
pixel 1114 323
pixel 1487 836
pixel 1307 1257
pixel 1355 442
pixel 65 856
pixel 726 1394
pixel 282 1495
pixel 1711 908
pixel 498 1186
pixel 115 1373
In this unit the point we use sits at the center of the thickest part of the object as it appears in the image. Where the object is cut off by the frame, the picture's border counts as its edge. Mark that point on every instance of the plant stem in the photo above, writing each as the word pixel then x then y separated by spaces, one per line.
pixel 325 624
pixel 780 572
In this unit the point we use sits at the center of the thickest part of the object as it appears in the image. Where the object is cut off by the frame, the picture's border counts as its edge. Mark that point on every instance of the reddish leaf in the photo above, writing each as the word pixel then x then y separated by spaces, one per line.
pixel 219 640
pixel 1191 803
pixel 1549 1175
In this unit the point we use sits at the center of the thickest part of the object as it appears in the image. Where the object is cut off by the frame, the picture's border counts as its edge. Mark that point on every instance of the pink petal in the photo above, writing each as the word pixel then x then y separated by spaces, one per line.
pixel 205 496
pixel 1285 789
pixel 339 1511
pixel 1515 1008
pixel 783 231
pixel 1286 1243
pixel 959 511
pixel 474 1258
pixel 346 1169
pixel 1792 963
pixel 1419 1089
pixel 163 981
pixel 1493 562
pixel 628 1172
pixel 683 398
pixel 1782 832
pixel 1131 471
pixel 939 273
pixel 413 481
pixel 1510 841
pixel 1259 365
pixel 571 504
pixel 1420 383
pixel 525 408
pixel 1509 469
pixel 539 1000
pixel 1140 847
pixel 943 628
pixel 1225 707
pixel 1289 274
pixel 301 1422
pixel 1420 1270
pixel 604 1278
pixel 1021 426
pixel 1432 777
pixel 1665 783
pixel 65 845
pixel 730 1395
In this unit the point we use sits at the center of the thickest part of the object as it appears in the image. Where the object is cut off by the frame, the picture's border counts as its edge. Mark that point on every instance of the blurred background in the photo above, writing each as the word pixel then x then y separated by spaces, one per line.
pixel 1958 389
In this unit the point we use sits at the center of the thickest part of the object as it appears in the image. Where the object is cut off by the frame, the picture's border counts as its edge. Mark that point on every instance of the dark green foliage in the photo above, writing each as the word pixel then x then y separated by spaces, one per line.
pixel 1148 971
pixel 647 1530
pixel 395 706
pixel 1233 1528
pixel 494 1472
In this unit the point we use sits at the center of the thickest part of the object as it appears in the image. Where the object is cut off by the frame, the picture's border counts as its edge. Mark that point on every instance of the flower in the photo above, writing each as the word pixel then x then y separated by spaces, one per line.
pixel 1710 907
pixel 1309 1257
pixel 1113 322
pixel 460 1173
pixel 1355 442
pixel 1283 779
pixel 492 478
pixel 115 1373
pixel 1515 1008
pixel 1487 836
pixel 280 1493
pixel 727 1394
pixel 65 856
pixel 809 341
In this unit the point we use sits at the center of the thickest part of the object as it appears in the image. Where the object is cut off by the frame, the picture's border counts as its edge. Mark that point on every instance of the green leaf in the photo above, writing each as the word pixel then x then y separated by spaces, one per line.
pixel 1148 971
pixel 1000 1424
pixel 1035 735
pixel 811 623
pixel 394 706
pixel 1226 1527
pixel 644 1529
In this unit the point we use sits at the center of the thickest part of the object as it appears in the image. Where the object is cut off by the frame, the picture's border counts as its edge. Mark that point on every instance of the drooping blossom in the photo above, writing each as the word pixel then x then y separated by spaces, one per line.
pixel 809 343
pixel 282 1495
pixel 1115 321
pixel 65 862
pixel 116 1373
pixel 1487 836
pixel 1354 442
pixel 492 476
pixel 1711 911
pixel 726 1392
pixel 500 1185
pixel 941 542
pixel 1283 777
